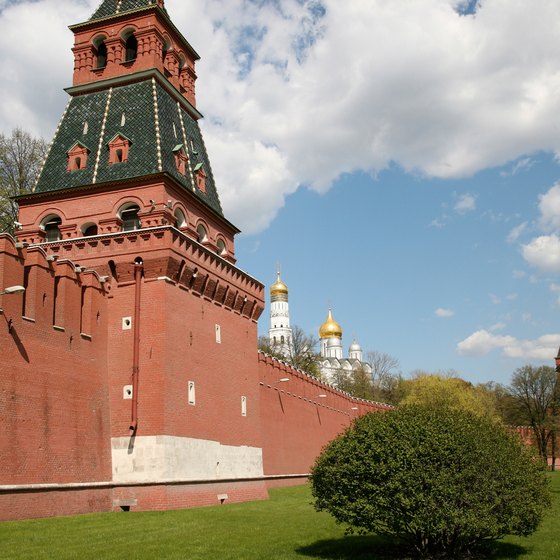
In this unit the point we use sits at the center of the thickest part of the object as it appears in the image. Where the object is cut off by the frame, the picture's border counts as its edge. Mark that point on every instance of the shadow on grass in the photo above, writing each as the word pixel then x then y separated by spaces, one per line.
pixel 380 548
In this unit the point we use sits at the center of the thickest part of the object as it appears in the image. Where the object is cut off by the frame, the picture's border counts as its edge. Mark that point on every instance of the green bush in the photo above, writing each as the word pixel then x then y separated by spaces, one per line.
pixel 442 481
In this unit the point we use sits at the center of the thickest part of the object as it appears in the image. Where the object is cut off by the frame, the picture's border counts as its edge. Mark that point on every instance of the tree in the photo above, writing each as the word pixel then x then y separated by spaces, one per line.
pixel 385 376
pixel 266 346
pixel 383 367
pixel 438 479
pixel 507 406
pixel 439 390
pixel 300 354
pixel 21 157
pixel 361 384
pixel 538 393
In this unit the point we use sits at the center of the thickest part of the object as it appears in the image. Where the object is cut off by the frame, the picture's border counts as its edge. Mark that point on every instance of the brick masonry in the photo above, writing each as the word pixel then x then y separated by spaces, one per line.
pixel 67 361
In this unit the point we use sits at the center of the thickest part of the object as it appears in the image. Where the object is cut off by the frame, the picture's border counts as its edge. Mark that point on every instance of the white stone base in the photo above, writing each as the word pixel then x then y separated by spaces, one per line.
pixel 168 458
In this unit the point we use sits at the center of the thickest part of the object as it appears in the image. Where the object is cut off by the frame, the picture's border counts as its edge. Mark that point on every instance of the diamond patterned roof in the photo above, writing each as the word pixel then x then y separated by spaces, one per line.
pixel 129 110
pixel 112 7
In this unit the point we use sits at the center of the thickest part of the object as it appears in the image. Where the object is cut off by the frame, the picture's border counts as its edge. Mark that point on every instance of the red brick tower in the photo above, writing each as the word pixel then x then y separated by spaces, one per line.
pixel 127 191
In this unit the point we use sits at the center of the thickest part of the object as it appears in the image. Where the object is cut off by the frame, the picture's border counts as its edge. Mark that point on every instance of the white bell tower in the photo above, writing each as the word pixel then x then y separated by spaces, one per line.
pixel 280 333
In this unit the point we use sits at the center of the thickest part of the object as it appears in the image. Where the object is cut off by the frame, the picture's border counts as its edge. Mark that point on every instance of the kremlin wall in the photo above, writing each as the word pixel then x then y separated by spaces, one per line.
pixel 215 422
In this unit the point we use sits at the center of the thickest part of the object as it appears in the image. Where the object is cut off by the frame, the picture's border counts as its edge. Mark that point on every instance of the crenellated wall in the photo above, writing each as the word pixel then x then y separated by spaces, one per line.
pixel 54 414
pixel 299 415
pixel 215 418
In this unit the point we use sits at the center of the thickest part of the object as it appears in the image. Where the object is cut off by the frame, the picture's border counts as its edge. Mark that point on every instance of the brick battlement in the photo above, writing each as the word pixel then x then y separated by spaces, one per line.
pixel 168 254
pixel 308 386
pixel 58 292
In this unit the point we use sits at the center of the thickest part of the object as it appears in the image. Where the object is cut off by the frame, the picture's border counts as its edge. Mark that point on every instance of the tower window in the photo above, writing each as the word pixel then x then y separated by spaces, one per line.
pixel 52 228
pixel 90 230
pixel 118 149
pixel 180 218
pixel 202 235
pixel 200 178
pixel 130 219
pixel 77 157
pixel 221 247
pixel 131 48
pixel 180 159
pixel 101 61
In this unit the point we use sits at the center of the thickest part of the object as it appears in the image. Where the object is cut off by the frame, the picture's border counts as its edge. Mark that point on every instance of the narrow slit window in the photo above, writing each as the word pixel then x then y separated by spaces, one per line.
pixel 192 394
pixel 101 61
pixel 131 48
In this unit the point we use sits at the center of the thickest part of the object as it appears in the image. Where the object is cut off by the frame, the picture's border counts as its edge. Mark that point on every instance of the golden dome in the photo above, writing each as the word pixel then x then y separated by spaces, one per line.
pixel 278 288
pixel 330 328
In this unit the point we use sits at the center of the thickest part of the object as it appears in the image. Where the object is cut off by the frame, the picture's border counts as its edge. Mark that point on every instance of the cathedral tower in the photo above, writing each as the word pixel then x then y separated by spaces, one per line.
pixel 280 332
pixel 330 338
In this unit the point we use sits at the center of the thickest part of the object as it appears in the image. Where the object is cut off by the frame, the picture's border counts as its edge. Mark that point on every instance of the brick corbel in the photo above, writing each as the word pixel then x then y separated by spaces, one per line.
pixel 31 235
pixel 157 217
pixel 110 225
pixel 68 230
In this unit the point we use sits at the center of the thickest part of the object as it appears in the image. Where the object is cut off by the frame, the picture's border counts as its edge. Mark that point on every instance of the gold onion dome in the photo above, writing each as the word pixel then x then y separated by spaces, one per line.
pixel 278 288
pixel 330 328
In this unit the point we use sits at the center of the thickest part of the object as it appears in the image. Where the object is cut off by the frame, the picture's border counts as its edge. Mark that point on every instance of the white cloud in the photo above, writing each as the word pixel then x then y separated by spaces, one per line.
pixel 524 164
pixel 302 99
pixel 516 232
pixel 466 203
pixel 444 313
pixel 498 327
pixel 549 206
pixel 439 223
pixel 495 299
pixel 483 342
pixel 543 252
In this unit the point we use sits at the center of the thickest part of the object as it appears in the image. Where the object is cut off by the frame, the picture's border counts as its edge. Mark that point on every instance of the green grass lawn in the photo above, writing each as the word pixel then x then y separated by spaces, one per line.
pixel 284 527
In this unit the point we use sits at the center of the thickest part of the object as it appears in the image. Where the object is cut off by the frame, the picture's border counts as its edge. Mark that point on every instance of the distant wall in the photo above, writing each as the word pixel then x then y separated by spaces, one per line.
pixel 299 415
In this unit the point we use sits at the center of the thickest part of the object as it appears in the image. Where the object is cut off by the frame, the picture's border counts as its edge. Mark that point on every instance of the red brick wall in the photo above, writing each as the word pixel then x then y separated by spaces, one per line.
pixel 65 362
pixel 25 505
pixel 177 496
pixel 296 422
pixel 54 418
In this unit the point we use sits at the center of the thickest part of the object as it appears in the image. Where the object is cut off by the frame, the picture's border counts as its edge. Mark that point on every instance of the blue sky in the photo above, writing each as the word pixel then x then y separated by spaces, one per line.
pixel 408 271
pixel 398 158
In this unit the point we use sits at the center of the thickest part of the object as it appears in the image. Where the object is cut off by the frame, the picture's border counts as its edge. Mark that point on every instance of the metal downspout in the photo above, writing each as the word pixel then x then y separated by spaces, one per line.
pixel 138 269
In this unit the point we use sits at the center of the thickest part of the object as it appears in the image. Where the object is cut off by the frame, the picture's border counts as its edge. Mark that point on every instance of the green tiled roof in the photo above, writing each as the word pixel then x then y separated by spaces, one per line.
pixel 111 7
pixel 128 110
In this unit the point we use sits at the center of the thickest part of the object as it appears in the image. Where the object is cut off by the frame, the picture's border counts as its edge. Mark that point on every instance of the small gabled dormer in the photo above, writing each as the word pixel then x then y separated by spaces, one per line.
pixel 118 149
pixel 180 159
pixel 200 177
pixel 77 157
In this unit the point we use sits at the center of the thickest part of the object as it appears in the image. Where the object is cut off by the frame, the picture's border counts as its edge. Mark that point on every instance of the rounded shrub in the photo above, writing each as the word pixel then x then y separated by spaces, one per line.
pixel 442 481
